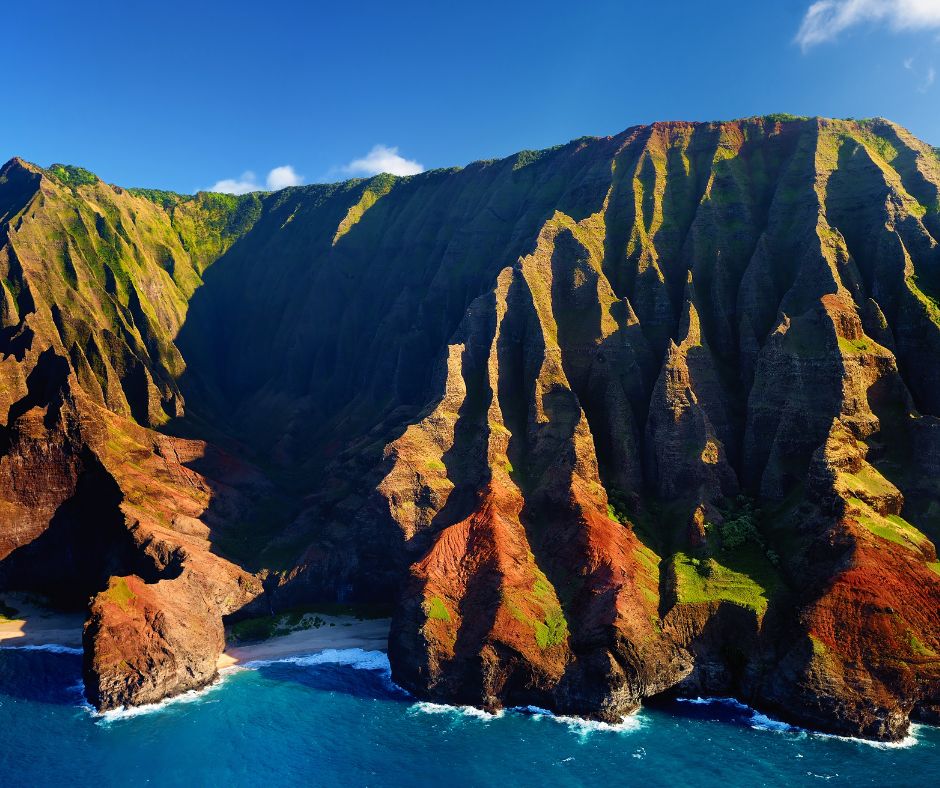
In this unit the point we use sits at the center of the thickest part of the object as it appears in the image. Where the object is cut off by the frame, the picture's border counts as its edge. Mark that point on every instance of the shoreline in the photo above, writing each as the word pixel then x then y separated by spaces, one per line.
pixel 34 625
pixel 31 625
pixel 335 632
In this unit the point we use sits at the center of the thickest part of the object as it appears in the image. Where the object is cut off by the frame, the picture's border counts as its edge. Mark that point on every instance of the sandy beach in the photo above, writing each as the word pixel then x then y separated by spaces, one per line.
pixel 33 625
pixel 335 632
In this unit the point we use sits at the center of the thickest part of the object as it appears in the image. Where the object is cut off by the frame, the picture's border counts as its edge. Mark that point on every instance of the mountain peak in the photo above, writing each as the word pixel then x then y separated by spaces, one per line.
pixel 16 164
pixel 19 181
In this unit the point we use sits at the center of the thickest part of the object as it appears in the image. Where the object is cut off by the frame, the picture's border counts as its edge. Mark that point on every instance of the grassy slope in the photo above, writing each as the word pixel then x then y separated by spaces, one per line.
pixel 111 274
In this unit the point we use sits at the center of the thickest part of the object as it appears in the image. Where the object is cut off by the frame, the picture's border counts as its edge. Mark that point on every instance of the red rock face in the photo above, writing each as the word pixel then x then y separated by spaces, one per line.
pixel 870 657
pixel 648 414
pixel 863 662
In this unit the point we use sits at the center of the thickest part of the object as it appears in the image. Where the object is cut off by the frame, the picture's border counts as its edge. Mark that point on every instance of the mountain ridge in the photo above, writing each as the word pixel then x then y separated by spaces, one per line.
pixel 159 194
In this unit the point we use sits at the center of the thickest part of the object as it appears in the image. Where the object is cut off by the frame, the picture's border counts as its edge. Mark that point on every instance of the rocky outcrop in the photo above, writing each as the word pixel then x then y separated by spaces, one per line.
pixel 865 658
pixel 654 413
pixel 146 641
pixel 96 282
pixel 530 592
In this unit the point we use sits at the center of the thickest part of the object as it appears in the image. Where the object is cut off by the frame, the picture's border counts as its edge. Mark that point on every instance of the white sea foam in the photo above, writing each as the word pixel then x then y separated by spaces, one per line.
pixel 52 648
pixel 732 702
pixel 908 741
pixel 352 657
pixel 762 722
pixel 580 724
pixel 471 712
pixel 127 712
pixel 356 658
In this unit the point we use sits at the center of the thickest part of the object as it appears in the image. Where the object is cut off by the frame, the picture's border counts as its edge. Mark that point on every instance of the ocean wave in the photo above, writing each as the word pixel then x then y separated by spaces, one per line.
pixel 128 712
pixel 535 711
pixel 51 648
pixel 910 740
pixel 471 712
pixel 579 725
pixel 584 726
pixel 762 722
pixel 716 701
pixel 78 688
pixel 357 658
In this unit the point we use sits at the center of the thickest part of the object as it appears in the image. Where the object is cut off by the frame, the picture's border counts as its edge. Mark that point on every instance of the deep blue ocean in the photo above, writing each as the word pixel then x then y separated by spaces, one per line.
pixel 336 719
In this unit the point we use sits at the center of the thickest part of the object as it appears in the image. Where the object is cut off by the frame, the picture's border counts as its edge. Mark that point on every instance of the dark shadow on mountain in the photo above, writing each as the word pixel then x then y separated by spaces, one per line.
pixel 307 353
pixel 87 542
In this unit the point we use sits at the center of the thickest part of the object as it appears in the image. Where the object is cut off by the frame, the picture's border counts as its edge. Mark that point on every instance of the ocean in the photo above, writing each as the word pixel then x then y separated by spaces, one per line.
pixel 336 719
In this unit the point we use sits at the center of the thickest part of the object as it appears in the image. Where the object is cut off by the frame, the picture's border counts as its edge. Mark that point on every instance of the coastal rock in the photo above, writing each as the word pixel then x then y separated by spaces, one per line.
pixel 146 642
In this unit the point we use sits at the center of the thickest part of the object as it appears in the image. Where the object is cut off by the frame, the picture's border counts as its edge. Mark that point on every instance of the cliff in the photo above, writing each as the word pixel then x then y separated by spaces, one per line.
pixel 654 413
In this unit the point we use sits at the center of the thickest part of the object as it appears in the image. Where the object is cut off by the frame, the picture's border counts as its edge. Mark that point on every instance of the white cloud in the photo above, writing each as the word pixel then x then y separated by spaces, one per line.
pixel 282 177
pixel 278 178
pixel 925 78
pixel 246 183
pixel 383 159
pixel 929 79
pixel 826 19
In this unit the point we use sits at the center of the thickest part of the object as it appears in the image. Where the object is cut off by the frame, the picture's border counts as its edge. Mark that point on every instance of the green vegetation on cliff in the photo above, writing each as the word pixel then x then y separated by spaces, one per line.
pixel 115 270
pixel 705 580
pixel 70 175
pixel 546 619
pixel 436 609
pixel 120 593
pixel 164 199
pixel 375 189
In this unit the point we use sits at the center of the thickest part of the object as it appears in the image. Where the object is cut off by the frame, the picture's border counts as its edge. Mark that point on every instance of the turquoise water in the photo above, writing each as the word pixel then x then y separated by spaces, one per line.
pixel 336 719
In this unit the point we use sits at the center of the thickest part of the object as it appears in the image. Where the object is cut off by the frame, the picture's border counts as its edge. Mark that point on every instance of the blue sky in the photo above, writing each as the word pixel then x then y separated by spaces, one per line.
pixel 188 95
